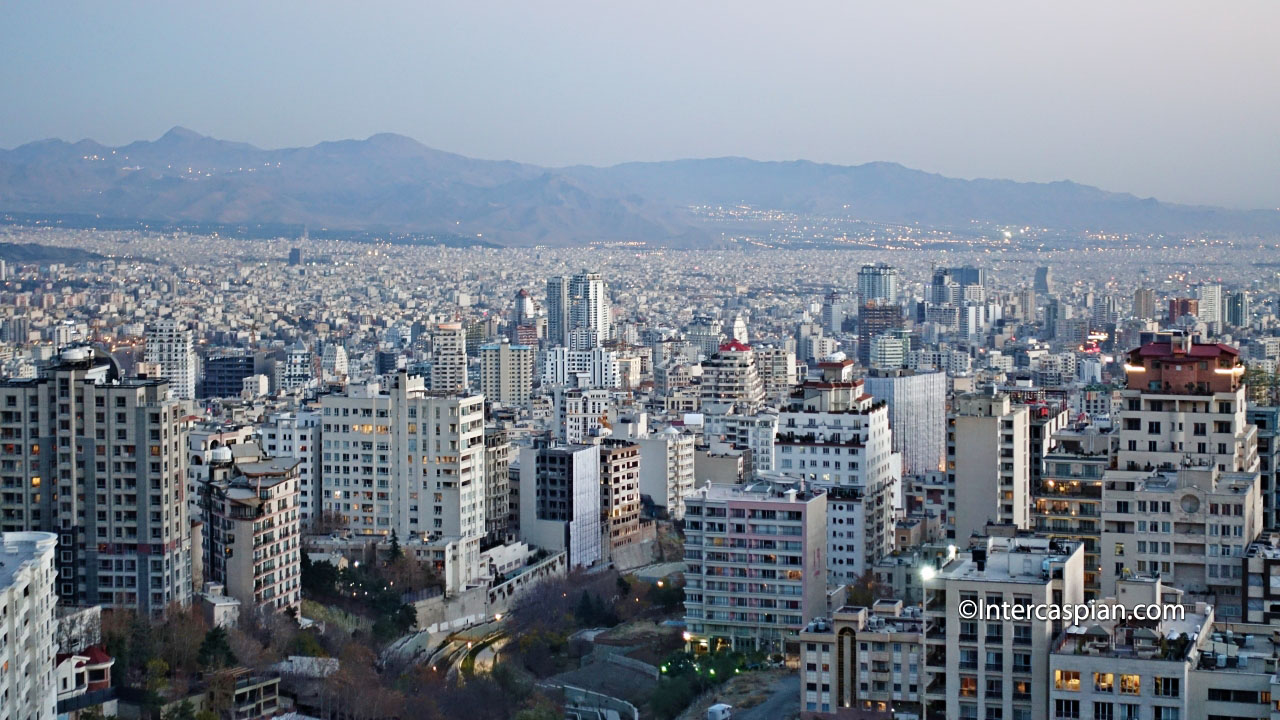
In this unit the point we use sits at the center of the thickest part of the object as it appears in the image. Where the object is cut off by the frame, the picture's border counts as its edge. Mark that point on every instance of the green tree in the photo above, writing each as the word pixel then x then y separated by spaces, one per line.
pixel 395 552
pixel 182 711
pixel 215 651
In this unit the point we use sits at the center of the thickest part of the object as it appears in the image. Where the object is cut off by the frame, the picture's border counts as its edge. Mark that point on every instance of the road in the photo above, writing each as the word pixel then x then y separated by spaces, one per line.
pixel 783 702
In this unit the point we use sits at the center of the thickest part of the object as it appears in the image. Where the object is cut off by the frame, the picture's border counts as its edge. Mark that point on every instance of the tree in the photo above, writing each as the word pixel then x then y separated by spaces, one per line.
pixel 215 651
pixel 182 711
pixel 395 552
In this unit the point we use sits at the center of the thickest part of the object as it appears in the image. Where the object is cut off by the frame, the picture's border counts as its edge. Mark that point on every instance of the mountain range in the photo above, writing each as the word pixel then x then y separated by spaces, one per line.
pixel 391 183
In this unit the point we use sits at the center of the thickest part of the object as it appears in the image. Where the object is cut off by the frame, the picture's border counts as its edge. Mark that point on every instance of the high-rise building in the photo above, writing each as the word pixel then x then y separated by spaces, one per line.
pixel 333 361
pixel 558 311
pixel 523 328
pixel 252 529
pixel 875 320
pixel 27 600
pixel 666 469
pixel 836 436
pixel 994 669
pixel 591 368
pixel 730 378
pixel 878 284
pixel 560 501
pixel 1180 307
pixel 1144 303
pixel 776 367
pixel 756 599
pixel 917 416
pixel 506 372
pixel 105 469
pixel 170 345
pixel 296 435
pixel 412 460
pixel 1211 306
pixel 590 314
pixel 297 370
pixel 1044 280
pixel 620 492
pixel 295 256
pixel 1185 402
pixel 224 375
pixel 988 464
pixel 449 358
pixel 1237 313
pixel 499 514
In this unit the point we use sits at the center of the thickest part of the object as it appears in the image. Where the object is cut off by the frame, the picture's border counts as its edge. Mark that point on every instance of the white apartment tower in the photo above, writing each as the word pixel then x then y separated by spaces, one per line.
pixel 589 310
pixel 836 436
pixel 878 284
pixel 1185 402
pixel 666 469
pixel 917 416
pixel 27 600
pixel 449 358
pixel 407 459
pixel 730 378
pixel 297 435
pixel 170 345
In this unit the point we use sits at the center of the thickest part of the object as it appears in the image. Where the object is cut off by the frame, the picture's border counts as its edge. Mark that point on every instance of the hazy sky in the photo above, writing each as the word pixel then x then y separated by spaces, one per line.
pixel 1178 100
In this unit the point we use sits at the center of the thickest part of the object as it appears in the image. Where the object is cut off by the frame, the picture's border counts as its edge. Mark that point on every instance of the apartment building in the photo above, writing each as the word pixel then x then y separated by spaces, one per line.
pixel 666 469
pixel 170 344
pixel 1191 525
pixel 1184 398
pixel 862 662
pixel 1067 502
pixel 560 501
pixel 755 565
pixel 988 464
pixel 985 669
pixel 449 358
pixel 730 381
pixel 252 529
pixel 296 435
pixel 1187 665
pixel 500 513
pixel 620 492
pixel 407 459
pixel 836 436
pixel 27 600
pixel 506 373
pixel 101 461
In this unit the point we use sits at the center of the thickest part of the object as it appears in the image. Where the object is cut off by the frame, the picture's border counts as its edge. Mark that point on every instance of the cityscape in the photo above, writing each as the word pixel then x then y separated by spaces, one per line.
pixel 360 429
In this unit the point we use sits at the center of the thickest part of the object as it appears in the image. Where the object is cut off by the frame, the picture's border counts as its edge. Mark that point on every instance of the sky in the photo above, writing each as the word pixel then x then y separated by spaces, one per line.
pixel 1171 99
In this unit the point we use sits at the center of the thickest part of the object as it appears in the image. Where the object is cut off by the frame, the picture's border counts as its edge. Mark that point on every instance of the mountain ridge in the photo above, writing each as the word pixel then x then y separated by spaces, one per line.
pixel 393 181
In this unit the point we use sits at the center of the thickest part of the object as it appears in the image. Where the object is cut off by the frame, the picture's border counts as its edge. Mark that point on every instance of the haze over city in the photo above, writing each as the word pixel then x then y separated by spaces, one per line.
pixel 576 361
pixel 1172 100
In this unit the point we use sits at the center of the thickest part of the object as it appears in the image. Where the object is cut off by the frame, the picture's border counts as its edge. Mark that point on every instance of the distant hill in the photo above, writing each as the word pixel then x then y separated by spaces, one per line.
pixel 393 184
pixel 24 253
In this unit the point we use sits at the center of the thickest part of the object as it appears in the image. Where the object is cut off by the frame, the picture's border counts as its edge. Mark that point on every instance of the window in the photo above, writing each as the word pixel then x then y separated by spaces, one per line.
pixel 1130 685
pixel 1066 709
pixel 1166 687
pixel 1066 680
pixel 1103 682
